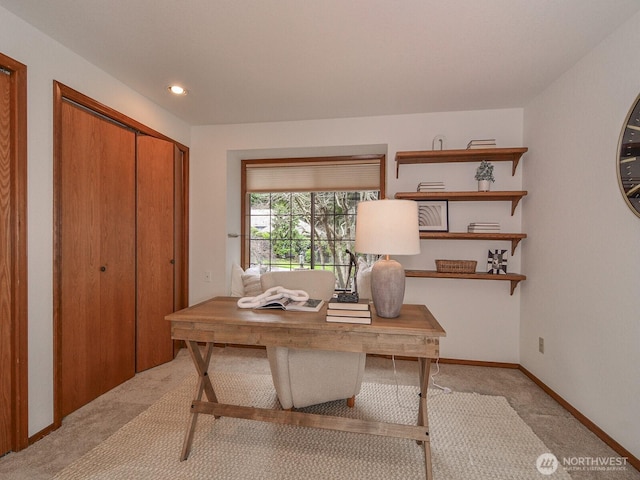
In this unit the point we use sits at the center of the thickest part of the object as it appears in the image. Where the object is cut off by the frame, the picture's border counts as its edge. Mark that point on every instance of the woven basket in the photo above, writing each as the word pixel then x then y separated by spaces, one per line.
pixel 456 266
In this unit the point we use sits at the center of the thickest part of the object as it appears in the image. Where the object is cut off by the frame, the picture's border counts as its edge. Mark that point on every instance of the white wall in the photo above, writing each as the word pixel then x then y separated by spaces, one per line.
pixel 46 61
pixel 583 257
pixel 481 318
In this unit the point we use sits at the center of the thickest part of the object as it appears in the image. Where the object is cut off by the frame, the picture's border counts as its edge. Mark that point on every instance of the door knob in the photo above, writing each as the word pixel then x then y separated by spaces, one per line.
pixel 103 268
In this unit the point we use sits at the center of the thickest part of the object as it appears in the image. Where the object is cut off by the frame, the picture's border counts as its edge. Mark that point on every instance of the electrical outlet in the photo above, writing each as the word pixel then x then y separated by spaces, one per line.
pixel 541 344
pixel 208 277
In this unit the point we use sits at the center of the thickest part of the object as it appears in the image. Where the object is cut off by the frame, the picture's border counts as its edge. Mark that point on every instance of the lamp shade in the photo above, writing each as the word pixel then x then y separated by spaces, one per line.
pixel 388 227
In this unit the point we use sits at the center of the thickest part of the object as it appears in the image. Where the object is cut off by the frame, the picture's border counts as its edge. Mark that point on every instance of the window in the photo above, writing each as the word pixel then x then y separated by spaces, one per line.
pixel 301 213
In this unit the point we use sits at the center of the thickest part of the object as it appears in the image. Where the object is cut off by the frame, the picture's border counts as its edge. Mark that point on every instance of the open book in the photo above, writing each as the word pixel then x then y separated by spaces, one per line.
pixel 310 305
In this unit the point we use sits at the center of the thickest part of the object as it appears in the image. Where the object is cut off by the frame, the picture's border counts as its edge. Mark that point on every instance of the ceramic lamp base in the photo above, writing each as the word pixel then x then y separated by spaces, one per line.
pixel 387 287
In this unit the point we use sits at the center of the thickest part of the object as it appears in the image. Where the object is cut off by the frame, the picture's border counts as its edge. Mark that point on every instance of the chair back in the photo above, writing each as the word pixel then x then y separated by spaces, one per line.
pixel 319 284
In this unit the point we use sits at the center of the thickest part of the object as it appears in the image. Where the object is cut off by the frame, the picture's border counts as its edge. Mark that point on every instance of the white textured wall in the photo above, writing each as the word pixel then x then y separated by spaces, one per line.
pixel 583 258
pixel 46 61
pixel 481 318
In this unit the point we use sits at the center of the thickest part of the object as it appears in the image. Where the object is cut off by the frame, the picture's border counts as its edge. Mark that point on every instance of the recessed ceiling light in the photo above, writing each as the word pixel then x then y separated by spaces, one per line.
pixel 177 90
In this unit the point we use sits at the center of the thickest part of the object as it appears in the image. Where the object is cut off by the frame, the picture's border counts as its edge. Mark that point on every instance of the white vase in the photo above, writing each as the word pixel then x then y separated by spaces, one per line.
pixel 484 185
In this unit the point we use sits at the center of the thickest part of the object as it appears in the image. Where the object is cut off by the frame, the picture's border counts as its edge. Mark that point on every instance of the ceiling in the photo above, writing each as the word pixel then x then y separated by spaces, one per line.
pixel 272 60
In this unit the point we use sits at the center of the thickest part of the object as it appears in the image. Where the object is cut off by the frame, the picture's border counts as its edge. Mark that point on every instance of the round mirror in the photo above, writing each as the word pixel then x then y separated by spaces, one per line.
pixel 629 158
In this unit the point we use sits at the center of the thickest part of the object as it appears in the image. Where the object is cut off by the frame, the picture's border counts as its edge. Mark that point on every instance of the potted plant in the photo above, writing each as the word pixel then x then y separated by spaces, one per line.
pixel 484 175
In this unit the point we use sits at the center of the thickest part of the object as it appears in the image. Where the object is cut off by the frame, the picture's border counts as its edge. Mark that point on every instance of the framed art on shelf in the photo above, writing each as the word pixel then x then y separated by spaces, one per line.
pixel 433 215
pixel 497 262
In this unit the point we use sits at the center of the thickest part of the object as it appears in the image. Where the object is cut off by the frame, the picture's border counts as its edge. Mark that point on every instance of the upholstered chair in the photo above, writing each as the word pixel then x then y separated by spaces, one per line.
pixel 308 377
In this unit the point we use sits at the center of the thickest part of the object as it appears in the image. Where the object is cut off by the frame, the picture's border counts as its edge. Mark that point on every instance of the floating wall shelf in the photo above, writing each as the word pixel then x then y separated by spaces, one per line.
pixel 452 156
pixel 511 196
pixel 514 278
pixel 512 155
pixel 514 238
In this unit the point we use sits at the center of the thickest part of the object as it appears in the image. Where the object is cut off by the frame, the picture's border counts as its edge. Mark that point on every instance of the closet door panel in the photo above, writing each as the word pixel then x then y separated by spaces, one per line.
pixel 155 251
pixel 6 287
pixel 117 250
pixel 80 261
pixel 97 308
pixel 180 299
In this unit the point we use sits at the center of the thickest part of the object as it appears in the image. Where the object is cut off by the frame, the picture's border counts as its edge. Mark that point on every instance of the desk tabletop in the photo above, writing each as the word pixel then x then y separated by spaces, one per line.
pixel 414 333
pixel 413 319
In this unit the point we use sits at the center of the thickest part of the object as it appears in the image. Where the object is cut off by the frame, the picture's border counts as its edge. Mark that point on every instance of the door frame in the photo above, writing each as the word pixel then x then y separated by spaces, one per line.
pixel 63 93
pixel 17 193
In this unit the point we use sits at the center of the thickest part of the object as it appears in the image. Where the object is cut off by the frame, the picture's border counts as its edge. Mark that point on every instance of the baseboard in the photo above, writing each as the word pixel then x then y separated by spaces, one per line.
pixel 476 363
pixel 42 433
pixel 598 432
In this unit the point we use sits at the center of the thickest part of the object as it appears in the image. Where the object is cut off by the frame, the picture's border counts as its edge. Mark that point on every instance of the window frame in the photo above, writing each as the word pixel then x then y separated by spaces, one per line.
pixel 245 229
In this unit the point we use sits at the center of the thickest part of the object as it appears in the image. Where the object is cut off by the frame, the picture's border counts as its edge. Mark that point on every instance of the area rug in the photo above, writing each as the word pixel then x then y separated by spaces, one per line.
pixel 472 437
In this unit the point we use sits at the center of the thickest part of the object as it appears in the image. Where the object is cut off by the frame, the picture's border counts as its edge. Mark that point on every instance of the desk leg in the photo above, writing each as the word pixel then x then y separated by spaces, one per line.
pixel 423 418
pixel 204 386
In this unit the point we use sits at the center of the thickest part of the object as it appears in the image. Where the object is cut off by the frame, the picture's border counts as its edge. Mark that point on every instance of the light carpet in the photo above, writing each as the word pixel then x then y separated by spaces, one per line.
pixel 472 437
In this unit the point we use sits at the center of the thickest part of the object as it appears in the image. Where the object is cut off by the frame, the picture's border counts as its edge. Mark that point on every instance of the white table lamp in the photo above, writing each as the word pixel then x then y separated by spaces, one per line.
pixel 387 227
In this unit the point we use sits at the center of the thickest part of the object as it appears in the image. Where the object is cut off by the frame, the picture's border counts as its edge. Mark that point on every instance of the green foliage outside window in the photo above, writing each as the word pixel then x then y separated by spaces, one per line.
pixel 305 229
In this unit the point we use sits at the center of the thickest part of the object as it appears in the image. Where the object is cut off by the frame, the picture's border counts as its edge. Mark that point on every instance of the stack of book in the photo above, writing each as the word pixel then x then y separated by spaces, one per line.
pixel 430 187
pixel 489 143
pixel 483 227
pixel 343 312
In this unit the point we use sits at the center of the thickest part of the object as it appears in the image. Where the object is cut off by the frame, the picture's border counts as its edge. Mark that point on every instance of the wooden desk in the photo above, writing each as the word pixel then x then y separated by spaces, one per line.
pixel 415 333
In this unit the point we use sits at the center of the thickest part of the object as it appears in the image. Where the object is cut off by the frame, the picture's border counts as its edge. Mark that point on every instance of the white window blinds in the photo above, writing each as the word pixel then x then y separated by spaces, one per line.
pixel 306 175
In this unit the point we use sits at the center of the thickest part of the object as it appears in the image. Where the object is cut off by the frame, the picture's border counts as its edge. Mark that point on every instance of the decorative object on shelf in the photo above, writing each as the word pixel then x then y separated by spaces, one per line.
pixel 484 185
pixel 430 187
pixel 629 158
pixel 497 262
pixel 484 175
pixel 483 227
pixel 456 266
pixel 433 215
pixel 479 144
pixel 438 142
pixel 387 227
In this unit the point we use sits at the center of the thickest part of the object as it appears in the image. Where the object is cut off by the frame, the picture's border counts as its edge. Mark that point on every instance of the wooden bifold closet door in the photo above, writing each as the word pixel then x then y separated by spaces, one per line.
pixel 14 414
pixel 6 297
pixel 98 271
pixel 118 201
pixel 155 251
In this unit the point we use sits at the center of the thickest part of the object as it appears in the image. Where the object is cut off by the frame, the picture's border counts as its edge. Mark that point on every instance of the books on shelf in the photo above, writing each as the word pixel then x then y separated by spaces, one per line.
pixel 483 227
pixel 342 312
pixel 487 143
pixel 430 186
